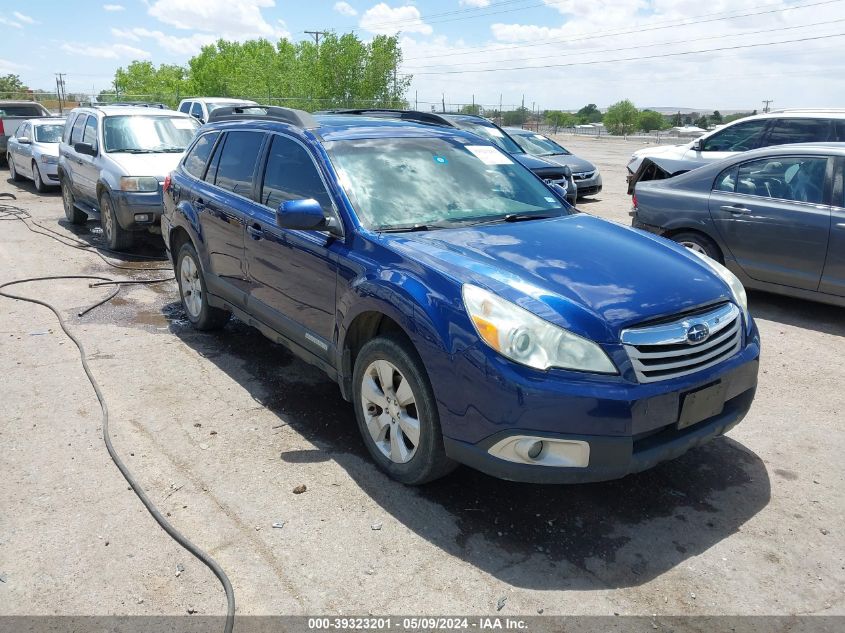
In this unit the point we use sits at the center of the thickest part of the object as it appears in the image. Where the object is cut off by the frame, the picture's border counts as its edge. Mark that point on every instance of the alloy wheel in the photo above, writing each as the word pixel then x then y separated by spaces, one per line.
pixel 191 286
pixel 696 247
pixel 390 411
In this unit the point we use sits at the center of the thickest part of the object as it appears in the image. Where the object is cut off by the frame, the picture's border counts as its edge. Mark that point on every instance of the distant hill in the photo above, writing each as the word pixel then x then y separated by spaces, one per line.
pixel 665 110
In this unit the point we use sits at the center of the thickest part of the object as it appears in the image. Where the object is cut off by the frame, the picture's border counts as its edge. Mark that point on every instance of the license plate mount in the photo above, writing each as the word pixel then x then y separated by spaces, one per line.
pixel 702 403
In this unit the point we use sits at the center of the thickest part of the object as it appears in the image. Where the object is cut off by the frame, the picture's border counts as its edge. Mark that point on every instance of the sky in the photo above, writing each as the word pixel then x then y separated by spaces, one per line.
pixel 557 54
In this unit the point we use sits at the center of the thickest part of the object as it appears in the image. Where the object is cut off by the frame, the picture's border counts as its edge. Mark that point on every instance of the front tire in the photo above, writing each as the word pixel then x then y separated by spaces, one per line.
pixel 40 185
pixel 192 290
pixel 118 238
pixel 397 414
pixel 73 215
pixel 12 171
pixel 699 243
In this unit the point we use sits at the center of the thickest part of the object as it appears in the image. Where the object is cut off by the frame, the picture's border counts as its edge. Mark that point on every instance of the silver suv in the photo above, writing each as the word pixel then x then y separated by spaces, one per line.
pixel 112 164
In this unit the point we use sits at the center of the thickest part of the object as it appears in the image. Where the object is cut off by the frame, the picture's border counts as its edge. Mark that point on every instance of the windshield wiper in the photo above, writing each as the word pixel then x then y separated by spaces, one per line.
pixel 169 148
pixel 131 150
pixel 407 228
pixel 519 217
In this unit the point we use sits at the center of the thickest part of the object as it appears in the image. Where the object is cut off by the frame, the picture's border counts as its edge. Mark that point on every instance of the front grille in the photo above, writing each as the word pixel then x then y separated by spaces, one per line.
pixel 585 175
pixel 664 351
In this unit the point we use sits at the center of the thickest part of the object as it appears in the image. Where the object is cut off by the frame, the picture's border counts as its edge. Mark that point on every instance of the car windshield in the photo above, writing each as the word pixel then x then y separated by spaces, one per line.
pixel 421 183
pixel 539 145
pixel 20 110
pixel 51 133
pixel 491 133
pixel 139 134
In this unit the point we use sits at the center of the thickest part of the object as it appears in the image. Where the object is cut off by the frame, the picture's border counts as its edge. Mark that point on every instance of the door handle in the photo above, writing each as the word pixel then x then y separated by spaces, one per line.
pixel 199 202
pixel 255 231
pixel 735 209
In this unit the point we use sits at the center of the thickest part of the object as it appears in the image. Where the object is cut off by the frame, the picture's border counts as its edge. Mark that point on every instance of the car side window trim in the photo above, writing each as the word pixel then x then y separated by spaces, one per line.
pixel 78 125
pixel 211 155
pixel 838 186
pixel 263 170
pixel 826 191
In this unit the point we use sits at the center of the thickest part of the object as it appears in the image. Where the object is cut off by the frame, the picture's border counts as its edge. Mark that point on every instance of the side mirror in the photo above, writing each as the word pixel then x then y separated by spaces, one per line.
pixel 24 140
pixel 697 146
pixel 85 148
pixel 567 171
pixel 198 118
pixel 303 215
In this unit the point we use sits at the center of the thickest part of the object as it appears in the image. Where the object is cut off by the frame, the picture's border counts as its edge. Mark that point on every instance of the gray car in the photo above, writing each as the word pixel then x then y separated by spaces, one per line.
pixel 112 165
pixel 33 152
pixel 585 175
pixel 774 216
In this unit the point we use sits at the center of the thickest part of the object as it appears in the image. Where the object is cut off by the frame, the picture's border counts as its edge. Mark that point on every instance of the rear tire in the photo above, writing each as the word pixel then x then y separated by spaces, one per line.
pixel 700 243
pixel 12 171
pixel 398 419
pixel 192 291
pixel 118 238
pixel 73 215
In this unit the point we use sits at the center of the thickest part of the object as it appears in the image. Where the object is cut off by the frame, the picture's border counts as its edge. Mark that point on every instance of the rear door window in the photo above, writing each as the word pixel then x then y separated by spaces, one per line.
pixel 78 129
pixel 726 181
pixel 197 158
pixel 736 138
pixel 196 110
pixel 236 165
pixel 291 175
pixel 786 131
pixel 23 131
pixel 90 134
pixel 794 178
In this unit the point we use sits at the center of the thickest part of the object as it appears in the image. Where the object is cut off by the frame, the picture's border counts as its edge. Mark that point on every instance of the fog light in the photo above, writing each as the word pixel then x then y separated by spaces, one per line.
pixel 142 217
pixel 528 449
pixel 535 450
pixel 542 451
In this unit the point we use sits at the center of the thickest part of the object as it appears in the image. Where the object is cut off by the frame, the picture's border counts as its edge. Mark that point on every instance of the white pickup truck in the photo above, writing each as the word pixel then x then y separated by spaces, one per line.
pixel 12 114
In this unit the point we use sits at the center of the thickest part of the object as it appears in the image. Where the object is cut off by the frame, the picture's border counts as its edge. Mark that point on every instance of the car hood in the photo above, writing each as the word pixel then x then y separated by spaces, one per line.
pixel 663 150
pixel 588 275
pixel 157 165
pixel 48 149
pixel 575 163
pixel 533 162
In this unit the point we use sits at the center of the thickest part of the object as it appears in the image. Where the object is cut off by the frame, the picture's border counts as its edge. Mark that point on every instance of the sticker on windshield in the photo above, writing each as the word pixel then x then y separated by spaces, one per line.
pixel 183 124
pixel 441 160
pixel 548 199
pixel 495 132
pixel 489 155
pixel 540 137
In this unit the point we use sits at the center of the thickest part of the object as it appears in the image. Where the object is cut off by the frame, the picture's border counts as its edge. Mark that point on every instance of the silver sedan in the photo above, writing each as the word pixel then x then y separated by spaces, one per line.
pixel 33 152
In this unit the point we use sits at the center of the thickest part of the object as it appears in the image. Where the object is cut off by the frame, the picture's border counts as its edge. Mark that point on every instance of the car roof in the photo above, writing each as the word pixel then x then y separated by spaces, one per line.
pixel 131 110
pixel 837 149
pixel 218 100
pixel 46 119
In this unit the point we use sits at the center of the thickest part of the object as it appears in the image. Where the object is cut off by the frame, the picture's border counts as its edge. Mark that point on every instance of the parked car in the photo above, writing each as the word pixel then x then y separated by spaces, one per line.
pixel 774 216
pixel 33 152
pixel 468 313
pixel 112 163
pixel 585 175
pixel 201 107
pixel 552 172
pixel 12 114
pixel 753 132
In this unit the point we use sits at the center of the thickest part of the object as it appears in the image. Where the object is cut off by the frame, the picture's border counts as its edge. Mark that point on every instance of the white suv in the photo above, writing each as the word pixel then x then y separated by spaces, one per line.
pixel 783 127
pixel 201 107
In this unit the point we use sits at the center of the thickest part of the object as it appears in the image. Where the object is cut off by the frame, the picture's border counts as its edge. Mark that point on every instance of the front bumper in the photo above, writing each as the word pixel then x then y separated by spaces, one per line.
pixel 589 186
pixel 137 211
pixel 628 427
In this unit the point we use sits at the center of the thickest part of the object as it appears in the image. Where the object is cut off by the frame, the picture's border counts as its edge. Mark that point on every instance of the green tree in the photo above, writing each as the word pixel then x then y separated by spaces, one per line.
pixel 649 120
pixel 702 122
pixel 559 119
pixel 589 114
pixel 11 87
pixel 621 117
pixel 716 117
pixel 142 81
pixel 516 117
pixel 470 108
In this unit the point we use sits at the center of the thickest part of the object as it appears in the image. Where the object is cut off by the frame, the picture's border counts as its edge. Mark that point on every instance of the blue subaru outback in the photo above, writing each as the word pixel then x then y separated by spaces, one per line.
pixel 468 313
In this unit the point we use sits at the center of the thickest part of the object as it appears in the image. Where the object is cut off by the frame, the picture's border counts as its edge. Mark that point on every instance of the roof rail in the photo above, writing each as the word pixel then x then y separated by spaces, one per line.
pixel 836 110
pixel 297 118
pixel 432 118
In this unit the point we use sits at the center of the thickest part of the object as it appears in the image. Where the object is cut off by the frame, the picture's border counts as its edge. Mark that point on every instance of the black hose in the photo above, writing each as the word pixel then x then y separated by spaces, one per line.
pixel 177 536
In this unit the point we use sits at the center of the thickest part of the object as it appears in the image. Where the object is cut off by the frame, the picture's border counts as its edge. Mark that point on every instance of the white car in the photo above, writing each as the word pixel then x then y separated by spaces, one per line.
pixel 762 130
pixel 201 107
pixel 33 151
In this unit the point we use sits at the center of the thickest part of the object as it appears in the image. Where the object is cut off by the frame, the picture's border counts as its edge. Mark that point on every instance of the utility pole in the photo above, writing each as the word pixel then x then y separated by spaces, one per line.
pixel 443 101
pixel 317 35
pixel 766 103
pixel 60 90
pixel 501 120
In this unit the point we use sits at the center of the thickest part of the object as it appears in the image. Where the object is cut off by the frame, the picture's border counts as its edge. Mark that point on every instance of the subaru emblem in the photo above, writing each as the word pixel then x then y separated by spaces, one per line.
pixel 698 333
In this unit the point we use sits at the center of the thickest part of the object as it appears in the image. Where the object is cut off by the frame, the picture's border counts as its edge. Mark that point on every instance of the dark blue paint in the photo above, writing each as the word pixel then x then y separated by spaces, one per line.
pixel 587 275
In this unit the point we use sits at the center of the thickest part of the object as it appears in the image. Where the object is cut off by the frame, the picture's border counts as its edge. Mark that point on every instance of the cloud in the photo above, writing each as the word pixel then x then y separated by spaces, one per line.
pixel 114 7
pixel 476 4
pixel 8 67
pixel 344 8
pixel 23 18
pixel 8 22
pixel 384 20
pixel 188 45
pixel 229 19
pixel 110 51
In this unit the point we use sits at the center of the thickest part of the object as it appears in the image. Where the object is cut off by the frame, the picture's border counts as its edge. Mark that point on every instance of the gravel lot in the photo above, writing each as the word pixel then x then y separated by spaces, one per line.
pixel 220 428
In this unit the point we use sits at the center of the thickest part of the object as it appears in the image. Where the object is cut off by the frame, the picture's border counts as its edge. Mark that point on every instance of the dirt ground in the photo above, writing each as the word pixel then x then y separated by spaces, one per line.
pixel 220 428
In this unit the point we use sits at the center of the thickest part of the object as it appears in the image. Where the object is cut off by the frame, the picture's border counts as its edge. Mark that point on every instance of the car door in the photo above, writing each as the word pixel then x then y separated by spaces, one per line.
pixel 833 277
pixel 89 166
pixel 773 216
pixel 739 137
pixel 74 161
pixel 292 273
pixel 223 202
pixel 22 152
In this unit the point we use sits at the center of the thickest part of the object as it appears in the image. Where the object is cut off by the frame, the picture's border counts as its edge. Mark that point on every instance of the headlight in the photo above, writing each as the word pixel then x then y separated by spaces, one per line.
pixel 49 160
pixel 737 289
pixel 525 338
pixel 138 183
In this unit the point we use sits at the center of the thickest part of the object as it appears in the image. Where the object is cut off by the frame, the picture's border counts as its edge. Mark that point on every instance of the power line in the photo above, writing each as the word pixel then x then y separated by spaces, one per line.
pixel 638 46
pixel 631 59
pixel 655 26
